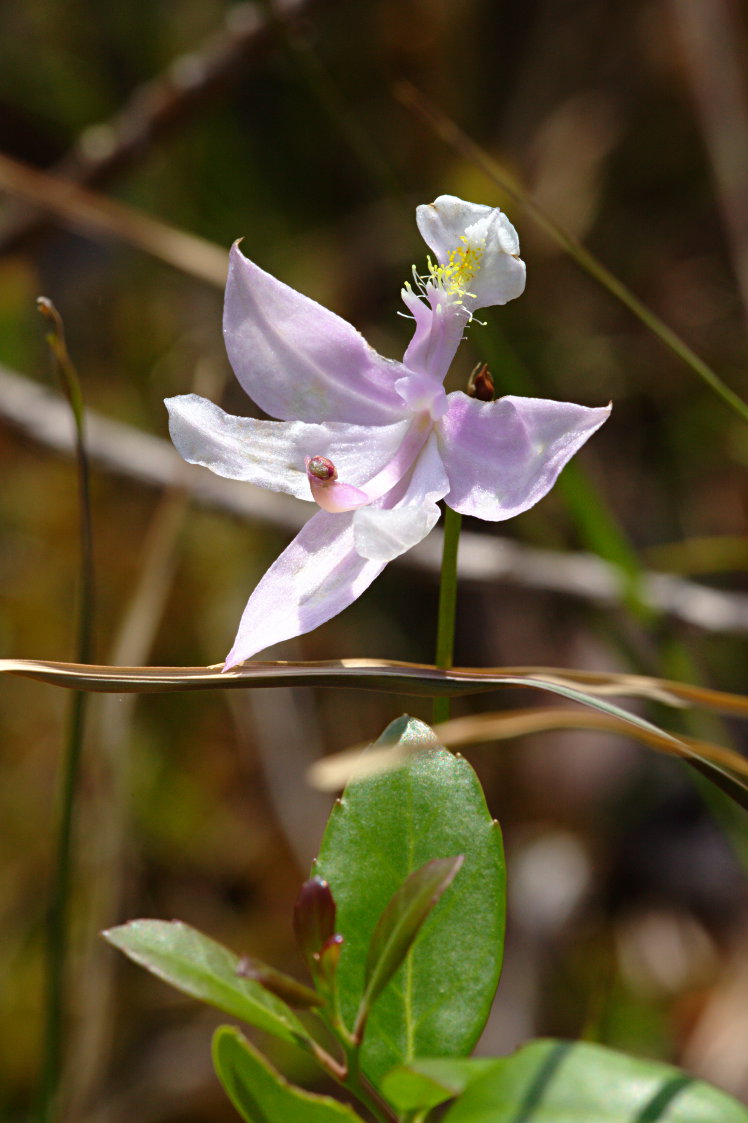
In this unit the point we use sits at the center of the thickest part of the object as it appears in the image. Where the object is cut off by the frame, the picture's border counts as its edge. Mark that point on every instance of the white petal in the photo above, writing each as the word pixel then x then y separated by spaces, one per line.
pixel 298 360
pixel 502 457
pixel 271 454
pixel 405 516
pixel 381 535
pixel 316 577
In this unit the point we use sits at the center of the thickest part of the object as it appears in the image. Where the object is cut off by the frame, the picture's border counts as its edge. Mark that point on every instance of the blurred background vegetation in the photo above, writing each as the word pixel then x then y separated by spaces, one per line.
pixel 281 124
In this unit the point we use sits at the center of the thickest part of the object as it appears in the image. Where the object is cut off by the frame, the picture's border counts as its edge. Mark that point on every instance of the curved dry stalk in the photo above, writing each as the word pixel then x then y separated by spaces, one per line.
pixel 333 772
pixel 730 773
pixel 388 675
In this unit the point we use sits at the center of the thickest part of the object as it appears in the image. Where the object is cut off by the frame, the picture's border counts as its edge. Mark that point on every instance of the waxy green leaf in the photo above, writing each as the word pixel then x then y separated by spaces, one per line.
pixel 386 826
pixel 401 921
pixel 260 1094
pixel 206 970
pixel 575 1082
pixel 426 1083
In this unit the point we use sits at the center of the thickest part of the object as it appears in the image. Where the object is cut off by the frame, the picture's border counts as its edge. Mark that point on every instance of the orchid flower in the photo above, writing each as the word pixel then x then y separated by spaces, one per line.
pixel 373 442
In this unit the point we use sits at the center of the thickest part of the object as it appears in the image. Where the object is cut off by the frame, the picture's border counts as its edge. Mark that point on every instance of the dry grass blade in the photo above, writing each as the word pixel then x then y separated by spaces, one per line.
pixel 415 679
pixel 79 206
pixel 663 690
pixel 333 772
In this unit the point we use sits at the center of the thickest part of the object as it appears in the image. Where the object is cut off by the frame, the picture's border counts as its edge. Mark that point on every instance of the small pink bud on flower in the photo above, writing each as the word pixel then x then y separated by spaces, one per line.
pixel 328 492
pixel 321 468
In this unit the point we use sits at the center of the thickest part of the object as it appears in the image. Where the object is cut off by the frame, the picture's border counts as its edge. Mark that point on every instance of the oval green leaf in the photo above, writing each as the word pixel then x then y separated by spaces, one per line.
pixel 575 1082
pixel 260 1094
pixel 424 1084
pixel 206 970
pixel 431 805
pixel 401 922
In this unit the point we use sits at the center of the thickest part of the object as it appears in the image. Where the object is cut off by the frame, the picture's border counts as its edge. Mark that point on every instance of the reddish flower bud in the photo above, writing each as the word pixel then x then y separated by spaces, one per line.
pixel 314 916
pixel 480 384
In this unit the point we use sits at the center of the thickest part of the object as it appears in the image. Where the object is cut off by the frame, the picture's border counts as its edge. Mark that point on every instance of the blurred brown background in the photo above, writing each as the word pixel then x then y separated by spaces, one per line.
pixel 278 123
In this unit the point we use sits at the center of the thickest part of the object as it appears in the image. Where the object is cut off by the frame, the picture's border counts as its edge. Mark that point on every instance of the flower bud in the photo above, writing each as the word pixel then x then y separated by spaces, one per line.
pixel 314 917
pixel 480 384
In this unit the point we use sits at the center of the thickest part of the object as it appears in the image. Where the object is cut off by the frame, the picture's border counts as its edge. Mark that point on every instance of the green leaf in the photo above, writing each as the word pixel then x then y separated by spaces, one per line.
pixel 425 1083
pixel 401 922
pixel 575 1082
pixel 430 805
pixel 206 970
pixel 260 1094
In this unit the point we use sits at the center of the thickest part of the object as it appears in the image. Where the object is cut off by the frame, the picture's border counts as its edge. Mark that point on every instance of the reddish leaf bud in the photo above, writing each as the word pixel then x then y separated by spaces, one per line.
pixel 327 959
pixel 314 916
pixel 480 384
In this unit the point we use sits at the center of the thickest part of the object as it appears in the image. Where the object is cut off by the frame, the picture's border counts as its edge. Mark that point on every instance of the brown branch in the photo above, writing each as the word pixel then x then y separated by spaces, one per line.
pixel 155 109
pixel 78 206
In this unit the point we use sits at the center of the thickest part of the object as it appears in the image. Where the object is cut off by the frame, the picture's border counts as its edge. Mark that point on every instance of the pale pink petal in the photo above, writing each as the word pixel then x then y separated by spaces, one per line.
pixel 439 329
pixel 298 360
pixel 335 496
pixel 402 518
pixel 502 457
pixel 391 474
pixel 314 578
pixel 450 226
pixel 427 482
pixel 272 453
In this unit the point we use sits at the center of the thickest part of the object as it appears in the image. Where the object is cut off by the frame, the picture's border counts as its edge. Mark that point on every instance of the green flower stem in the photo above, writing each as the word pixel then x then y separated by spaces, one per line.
pixel 57 923
pixel 445 626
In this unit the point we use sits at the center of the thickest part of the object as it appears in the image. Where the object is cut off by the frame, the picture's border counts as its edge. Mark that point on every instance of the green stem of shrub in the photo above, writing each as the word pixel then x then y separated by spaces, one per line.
pixel 445 626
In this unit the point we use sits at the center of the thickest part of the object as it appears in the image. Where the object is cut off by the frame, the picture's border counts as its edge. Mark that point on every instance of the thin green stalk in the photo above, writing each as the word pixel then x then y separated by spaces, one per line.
pixel 59 905
pixel 445 624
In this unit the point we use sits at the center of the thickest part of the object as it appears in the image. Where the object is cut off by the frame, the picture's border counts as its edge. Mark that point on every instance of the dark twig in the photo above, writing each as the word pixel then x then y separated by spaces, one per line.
pixel 155 109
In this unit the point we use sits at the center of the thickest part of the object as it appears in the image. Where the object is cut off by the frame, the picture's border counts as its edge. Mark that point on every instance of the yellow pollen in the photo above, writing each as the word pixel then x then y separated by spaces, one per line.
pixel 464 262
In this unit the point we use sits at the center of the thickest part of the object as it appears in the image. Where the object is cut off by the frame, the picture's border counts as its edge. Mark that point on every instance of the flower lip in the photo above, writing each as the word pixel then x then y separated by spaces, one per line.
pixel 477 252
